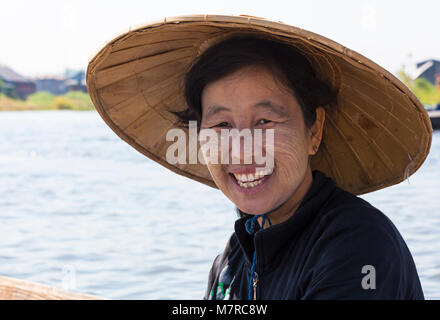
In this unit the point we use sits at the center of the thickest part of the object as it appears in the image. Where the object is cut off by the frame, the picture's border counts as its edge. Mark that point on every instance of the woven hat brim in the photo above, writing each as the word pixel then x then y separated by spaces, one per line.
pixel 376 135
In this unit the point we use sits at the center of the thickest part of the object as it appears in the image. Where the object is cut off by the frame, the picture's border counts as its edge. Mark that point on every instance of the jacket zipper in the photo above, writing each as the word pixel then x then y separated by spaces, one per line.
pixel 254 285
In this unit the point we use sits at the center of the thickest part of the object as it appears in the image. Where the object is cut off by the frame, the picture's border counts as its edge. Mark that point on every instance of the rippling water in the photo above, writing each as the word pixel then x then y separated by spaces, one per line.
pixel 83 211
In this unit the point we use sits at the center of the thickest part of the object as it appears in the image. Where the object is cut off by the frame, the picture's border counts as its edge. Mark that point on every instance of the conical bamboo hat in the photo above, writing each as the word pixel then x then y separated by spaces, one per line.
pixel 376 135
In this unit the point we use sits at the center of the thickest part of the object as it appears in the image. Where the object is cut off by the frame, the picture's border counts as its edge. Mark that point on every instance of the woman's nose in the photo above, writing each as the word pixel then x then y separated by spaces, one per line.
pixel 241 147
pixel 245 146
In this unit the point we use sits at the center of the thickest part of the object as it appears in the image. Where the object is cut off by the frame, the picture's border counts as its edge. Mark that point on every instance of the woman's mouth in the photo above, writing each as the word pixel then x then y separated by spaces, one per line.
pixel 252 180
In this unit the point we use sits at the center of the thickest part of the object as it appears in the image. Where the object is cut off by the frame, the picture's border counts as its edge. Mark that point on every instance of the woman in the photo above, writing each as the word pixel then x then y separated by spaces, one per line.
pixel 338 121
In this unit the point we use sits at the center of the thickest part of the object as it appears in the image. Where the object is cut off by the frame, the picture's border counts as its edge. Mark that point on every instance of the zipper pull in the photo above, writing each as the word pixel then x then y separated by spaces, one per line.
pixel 254 285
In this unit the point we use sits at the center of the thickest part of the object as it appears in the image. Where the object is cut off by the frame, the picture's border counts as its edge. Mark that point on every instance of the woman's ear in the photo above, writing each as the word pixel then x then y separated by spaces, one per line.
pixel 316 131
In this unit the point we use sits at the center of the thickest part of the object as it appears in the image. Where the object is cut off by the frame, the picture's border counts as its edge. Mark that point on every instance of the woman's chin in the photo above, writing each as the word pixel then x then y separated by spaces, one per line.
pixel 254 207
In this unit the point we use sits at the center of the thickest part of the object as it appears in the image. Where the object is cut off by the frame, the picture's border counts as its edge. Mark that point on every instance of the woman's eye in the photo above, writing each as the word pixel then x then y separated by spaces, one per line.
pixel 263 121
pixel 221 124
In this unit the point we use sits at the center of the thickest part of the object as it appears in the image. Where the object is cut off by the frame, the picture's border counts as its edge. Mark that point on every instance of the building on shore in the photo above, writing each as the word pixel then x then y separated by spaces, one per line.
pixel 18 86
pixel 52 84
pixel 76 80
pixel 429 70
pixel 14 84
pixel 72 80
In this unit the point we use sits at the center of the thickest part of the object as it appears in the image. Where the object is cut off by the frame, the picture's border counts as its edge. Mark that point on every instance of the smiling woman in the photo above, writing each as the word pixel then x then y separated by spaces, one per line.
pixel 338 121
pixel 251 82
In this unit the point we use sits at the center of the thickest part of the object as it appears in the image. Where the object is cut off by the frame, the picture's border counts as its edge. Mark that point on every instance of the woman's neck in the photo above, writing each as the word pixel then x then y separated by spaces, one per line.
pixel 288 208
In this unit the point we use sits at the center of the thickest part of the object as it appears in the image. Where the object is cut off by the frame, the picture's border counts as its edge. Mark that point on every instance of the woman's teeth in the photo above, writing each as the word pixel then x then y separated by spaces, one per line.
pixel 252 180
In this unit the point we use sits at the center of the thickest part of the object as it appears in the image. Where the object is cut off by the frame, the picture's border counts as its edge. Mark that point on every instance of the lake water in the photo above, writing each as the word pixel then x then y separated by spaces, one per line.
pixel 83 211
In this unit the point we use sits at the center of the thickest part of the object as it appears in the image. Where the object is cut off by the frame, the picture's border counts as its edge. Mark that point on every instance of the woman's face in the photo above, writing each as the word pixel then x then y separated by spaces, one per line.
pixel 253 98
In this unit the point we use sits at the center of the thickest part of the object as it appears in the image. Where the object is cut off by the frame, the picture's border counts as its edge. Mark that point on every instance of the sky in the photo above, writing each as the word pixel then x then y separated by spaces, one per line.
pixel 45 37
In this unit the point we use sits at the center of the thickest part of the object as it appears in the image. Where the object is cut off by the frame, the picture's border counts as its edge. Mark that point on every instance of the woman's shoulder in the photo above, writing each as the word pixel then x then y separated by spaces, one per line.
pixel 347 209
pixel 350 237
pixel 349 219
pixel 340 207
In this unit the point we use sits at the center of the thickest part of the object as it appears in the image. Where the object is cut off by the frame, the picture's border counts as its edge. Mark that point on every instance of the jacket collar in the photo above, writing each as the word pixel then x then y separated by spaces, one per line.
pixel 270 241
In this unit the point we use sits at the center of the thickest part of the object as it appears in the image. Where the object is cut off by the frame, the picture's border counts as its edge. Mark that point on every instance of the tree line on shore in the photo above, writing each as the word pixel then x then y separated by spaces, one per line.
pixel 72 100
pixel 425 91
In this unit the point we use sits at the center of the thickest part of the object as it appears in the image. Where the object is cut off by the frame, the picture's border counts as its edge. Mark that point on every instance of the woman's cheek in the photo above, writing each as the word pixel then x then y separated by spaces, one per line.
pixel 217 174
pixel 290 158
pixel 212 152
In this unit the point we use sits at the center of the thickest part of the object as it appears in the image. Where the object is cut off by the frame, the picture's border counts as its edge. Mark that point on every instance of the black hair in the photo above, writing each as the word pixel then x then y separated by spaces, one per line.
pixel 234 53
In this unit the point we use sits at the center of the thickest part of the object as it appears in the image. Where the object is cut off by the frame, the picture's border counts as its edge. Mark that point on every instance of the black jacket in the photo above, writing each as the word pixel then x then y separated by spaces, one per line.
pixel 335 246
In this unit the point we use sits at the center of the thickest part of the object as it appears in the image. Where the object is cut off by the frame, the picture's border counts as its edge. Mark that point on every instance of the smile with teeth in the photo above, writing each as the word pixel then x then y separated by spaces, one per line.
pixel 252 180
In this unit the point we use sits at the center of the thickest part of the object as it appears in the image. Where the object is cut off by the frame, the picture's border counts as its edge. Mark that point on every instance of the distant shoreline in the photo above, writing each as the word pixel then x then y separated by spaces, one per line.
pixel 72 100
pixel 33 108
